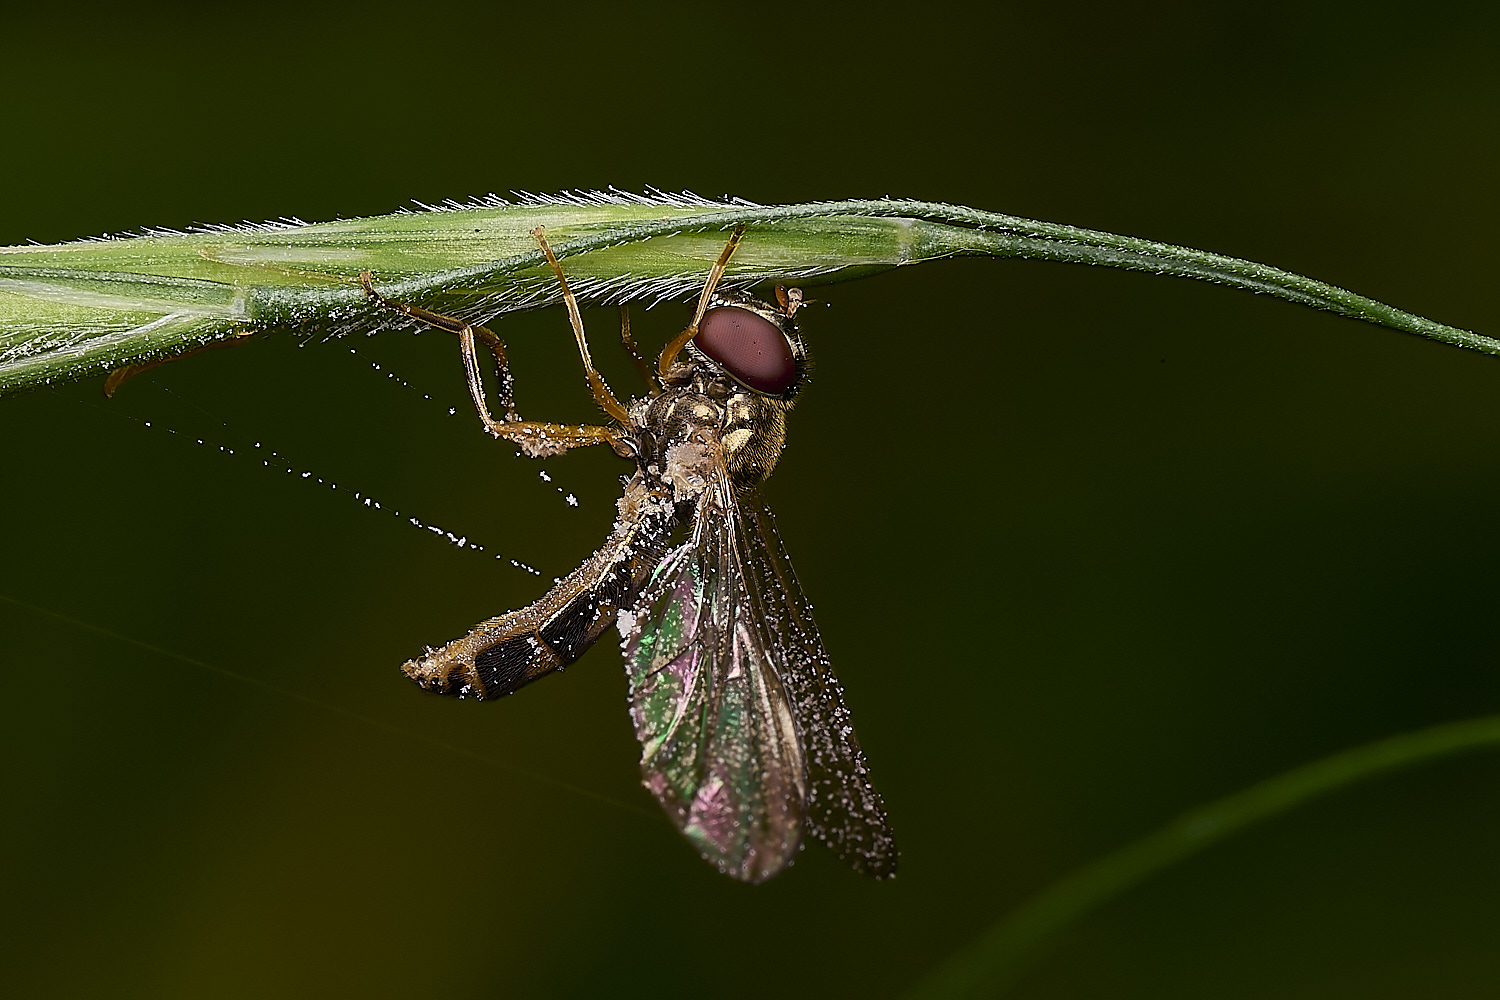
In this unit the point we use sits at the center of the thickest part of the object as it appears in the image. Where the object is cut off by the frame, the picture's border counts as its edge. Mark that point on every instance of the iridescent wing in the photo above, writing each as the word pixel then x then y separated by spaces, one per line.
pixel 719 744
pixel 744 735
pixel 844 810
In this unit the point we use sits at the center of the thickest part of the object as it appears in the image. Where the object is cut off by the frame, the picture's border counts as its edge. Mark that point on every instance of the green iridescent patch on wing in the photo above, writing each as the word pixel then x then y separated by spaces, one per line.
pixel 719 746
pixel 663 667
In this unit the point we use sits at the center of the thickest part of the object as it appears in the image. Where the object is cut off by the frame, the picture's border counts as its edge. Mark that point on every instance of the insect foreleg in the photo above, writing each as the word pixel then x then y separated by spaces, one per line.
pixel 669 353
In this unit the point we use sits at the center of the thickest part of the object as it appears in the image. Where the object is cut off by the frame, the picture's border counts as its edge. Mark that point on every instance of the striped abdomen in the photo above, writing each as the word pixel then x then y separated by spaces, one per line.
pixel 503 654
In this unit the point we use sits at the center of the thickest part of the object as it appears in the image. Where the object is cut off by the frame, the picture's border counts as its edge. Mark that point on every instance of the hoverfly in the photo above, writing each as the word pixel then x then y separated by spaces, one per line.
pixel 745 738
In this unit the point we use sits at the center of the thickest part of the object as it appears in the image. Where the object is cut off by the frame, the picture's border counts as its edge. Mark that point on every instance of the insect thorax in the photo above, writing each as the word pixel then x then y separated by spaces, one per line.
pixel 681 433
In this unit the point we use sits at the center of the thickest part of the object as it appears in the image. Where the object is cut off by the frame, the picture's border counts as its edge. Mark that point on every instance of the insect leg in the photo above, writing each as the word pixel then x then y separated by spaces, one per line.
pixel 669 353
pixel 535 438
pixel 606 399
pixel 119 376
pixel 467 333
pixel 790 300
pixel 631 348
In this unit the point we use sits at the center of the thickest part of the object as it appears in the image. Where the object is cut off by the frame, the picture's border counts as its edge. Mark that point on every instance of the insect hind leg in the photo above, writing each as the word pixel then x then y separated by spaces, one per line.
pixel 536 439
pixel 467 334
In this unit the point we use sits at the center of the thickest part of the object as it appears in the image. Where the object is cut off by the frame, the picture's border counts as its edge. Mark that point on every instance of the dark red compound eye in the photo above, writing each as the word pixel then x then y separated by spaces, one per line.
pixel 749 348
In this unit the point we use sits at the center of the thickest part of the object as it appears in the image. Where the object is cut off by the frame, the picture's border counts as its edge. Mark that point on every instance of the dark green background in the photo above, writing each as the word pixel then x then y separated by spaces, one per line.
pixel 1087 547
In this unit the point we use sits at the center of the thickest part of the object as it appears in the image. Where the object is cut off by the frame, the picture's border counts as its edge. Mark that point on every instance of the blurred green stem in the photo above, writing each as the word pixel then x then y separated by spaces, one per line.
pixel 991 965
